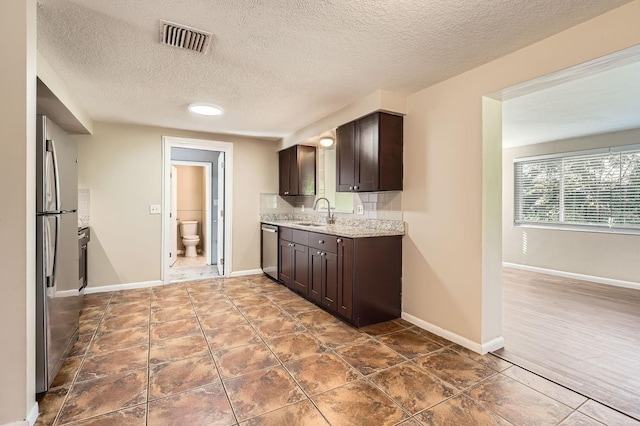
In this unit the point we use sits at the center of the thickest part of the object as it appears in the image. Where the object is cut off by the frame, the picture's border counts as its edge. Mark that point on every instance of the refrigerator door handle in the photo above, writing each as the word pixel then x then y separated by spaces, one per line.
pixel 51 244
pixel 52 167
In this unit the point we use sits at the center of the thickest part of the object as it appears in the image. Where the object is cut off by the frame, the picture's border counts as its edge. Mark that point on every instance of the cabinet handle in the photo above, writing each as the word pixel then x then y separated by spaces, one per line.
pixel 322 254
pixel 320 241
pixel 339 240
pixel 318 253
pixel 290 245
pixel 351 188
pixel 355 187
pixel 286 192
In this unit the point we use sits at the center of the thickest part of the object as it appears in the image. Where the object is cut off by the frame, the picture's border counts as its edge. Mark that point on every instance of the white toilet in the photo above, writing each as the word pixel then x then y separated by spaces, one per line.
pixel 190 238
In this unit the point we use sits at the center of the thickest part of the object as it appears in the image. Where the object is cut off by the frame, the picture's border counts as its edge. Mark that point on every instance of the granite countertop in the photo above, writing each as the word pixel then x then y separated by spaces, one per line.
pixel 335 229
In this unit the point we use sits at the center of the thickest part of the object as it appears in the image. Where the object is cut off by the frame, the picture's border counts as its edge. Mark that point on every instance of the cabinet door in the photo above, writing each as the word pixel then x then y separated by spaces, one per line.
pixel 285 262
pixel 285 171
pixel 330 281
pixel 345 277
pixel 345 157
pixel 301 268
pixel 315 275
pixel 366 155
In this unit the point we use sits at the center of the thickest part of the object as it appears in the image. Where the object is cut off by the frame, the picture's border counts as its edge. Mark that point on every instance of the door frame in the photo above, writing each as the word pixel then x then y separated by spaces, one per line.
pixel 169 142
pixel 207 192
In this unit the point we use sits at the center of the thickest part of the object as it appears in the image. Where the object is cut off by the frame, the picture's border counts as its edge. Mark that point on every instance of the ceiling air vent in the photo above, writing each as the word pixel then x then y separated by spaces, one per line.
pixel 184 37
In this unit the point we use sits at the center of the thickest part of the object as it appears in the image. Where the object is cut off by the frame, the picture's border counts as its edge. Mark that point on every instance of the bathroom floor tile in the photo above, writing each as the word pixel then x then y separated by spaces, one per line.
pixel 262 391
pixel 354 402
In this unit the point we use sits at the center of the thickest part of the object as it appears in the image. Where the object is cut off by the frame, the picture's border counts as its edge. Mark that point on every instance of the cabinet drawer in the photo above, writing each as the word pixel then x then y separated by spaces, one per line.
pixel 300 237
pixel 323 242
pixel 286 234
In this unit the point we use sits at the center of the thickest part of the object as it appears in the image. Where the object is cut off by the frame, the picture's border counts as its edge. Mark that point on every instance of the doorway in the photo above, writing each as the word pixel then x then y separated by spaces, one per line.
pixel 197 182
pixel 566 313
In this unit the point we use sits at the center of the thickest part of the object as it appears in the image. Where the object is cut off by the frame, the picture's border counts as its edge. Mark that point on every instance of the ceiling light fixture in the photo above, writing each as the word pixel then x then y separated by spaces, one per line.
pixel 202 108
pixel 326 142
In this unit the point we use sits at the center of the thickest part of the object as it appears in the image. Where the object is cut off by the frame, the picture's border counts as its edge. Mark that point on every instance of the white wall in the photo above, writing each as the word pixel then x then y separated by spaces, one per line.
pixel 613 256
pixel 17 215
pixel 122 165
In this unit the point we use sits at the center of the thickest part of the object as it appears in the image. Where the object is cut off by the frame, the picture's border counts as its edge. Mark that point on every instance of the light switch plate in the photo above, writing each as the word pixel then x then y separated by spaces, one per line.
pixel 154 209
pixel 360 209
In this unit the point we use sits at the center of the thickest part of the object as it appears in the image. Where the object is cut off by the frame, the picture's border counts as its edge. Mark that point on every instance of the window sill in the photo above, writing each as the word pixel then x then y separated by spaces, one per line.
pixel 579 228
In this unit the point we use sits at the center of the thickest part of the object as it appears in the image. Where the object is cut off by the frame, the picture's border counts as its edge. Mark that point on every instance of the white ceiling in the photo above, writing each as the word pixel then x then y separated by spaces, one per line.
pixel 608 101
pixel 277 65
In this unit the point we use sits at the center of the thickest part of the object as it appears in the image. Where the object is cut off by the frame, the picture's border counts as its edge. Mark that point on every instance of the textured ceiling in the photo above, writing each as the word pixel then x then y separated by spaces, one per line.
pixel 605 102
pixel 277 65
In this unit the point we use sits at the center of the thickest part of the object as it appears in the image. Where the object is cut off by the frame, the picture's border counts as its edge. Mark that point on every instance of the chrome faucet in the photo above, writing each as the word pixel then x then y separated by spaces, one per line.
pixel 330 218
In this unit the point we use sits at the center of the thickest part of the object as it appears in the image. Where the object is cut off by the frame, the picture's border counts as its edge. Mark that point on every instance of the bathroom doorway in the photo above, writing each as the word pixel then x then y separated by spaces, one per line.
pixel 196 192
pixel 191 220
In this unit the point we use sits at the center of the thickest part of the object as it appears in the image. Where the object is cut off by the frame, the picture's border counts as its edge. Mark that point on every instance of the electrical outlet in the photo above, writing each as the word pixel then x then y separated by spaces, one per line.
pixel 154 209
pixel 360 209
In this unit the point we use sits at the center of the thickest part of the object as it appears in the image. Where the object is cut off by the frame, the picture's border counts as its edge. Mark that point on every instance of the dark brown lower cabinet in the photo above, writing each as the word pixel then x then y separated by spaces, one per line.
pixel 323 276
pixel 358 279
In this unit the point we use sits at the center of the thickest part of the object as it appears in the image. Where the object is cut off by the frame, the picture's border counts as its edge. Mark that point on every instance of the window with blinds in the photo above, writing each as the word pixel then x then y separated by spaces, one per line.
pixel 598 188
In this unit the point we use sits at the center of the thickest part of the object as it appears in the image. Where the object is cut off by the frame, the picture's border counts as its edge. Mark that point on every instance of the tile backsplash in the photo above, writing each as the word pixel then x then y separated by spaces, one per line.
pixel 84 207
pixel 376 205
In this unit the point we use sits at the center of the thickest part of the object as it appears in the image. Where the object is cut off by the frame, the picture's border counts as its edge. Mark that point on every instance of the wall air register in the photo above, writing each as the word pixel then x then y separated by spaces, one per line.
pixel 184 37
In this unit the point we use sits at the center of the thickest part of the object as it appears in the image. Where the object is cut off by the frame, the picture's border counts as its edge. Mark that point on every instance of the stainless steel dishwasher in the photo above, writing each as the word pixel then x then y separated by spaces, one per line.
pixel 270 250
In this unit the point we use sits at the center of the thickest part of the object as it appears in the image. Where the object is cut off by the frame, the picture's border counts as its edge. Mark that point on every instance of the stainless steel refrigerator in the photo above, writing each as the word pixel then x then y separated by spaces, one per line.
pixel 58 298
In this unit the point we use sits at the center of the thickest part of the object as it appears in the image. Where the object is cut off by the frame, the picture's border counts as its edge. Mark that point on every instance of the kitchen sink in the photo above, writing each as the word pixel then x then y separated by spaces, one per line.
pixel 309 224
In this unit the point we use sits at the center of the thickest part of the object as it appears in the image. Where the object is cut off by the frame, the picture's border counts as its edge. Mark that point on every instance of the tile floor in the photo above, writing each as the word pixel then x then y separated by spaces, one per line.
pixel 248 351
pixel 191 268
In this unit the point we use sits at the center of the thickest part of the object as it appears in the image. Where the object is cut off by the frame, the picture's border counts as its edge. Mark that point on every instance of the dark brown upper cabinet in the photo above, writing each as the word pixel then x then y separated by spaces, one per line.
pixel 298 170
pixel 369 154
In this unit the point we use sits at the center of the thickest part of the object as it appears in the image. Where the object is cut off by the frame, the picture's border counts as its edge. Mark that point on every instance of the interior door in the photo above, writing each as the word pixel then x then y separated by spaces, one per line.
pixel 220 215
pixel 173 249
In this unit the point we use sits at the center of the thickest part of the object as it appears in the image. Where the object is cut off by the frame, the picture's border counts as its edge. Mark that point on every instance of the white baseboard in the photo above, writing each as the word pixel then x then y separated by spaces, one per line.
pixel 581 277
pixel 33 414
pixel 118 287
pixel 245 272
pixel 489 346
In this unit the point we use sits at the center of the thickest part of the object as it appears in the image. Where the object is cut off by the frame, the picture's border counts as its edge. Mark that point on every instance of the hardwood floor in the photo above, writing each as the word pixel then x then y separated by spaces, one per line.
pixel 582 335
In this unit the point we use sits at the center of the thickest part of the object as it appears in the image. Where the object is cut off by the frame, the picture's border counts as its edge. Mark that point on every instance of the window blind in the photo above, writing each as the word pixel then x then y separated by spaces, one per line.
pixel 601 189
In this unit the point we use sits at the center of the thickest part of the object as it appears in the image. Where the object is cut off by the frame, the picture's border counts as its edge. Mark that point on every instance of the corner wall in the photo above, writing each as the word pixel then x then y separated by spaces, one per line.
pixel 17 215
pixel 597 254
pixel 444 281
pixel 122 165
